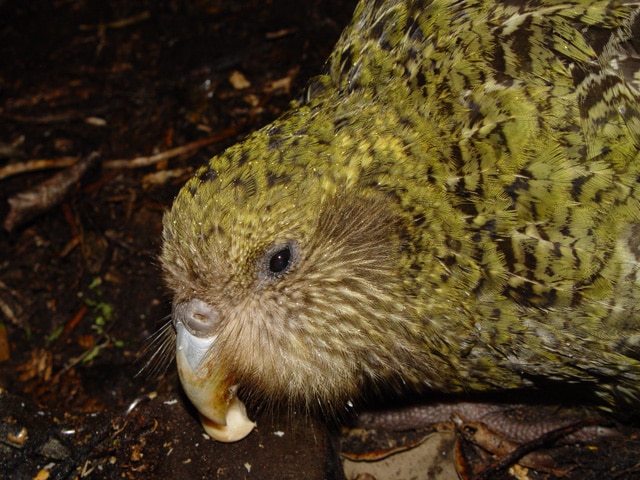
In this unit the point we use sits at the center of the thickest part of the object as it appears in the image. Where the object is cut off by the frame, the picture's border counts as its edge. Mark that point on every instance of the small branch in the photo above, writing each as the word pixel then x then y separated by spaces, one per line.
pixel 27 205
pixel 124 22
pixel 140 162
pixel 544 439
pixel 36 165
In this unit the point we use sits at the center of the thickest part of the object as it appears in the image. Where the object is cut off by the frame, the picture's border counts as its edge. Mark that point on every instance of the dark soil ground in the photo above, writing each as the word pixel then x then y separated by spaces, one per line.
pixel 155 88
pixel 80 284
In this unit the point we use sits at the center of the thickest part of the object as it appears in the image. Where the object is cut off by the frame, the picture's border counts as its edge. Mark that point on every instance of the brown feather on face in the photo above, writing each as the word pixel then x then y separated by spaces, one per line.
pixel 305 332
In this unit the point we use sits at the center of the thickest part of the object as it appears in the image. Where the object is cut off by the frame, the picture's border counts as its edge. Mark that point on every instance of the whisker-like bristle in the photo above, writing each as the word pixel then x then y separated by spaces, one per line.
pixel 159 351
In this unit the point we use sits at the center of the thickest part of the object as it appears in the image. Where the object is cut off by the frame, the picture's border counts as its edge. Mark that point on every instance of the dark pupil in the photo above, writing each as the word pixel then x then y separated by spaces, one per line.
pixel 280 260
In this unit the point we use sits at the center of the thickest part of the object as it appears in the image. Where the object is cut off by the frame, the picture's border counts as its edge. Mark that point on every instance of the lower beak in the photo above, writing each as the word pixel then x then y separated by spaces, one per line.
pixel 213 393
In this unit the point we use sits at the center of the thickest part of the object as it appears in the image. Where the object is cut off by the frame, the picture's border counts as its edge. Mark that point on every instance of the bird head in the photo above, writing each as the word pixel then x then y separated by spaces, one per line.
pixel 284 278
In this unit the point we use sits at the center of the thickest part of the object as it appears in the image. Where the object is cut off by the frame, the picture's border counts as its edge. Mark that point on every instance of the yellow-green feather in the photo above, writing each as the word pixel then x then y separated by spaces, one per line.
pixel 493 149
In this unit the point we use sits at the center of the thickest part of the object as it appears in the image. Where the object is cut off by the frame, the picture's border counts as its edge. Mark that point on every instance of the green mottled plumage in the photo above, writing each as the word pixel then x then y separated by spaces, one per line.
pixel 459 193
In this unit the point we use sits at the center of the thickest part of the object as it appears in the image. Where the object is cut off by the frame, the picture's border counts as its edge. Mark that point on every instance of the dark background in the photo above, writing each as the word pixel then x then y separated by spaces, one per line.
pixel 80 284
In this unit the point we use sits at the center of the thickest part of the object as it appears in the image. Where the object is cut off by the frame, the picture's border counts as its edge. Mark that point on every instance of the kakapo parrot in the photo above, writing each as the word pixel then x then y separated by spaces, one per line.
pixel 452 205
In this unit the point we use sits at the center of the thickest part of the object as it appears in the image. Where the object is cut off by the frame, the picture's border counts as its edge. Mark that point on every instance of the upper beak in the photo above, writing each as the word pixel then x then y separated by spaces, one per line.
pixel 212 391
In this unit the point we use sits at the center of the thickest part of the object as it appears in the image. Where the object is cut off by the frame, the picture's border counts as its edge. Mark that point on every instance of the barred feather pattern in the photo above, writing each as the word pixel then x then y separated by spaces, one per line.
pixel 461 189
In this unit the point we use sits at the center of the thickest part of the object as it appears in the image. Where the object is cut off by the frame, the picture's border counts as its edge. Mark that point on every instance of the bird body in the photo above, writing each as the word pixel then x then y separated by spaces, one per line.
pixel 452 205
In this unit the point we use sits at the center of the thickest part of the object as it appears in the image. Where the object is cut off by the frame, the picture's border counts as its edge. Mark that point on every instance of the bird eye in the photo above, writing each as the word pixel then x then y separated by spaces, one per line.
pixel 279 261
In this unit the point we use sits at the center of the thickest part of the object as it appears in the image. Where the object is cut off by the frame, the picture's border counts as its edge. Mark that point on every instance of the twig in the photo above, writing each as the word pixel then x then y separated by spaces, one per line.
pixel 12 312
pixel 35 165
pixel 139 162
pixel 75 320
pixel 544 439
pixel 26 205
pixel 124 22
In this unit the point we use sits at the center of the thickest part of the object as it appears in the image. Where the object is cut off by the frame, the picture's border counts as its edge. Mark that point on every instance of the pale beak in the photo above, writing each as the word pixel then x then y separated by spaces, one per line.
pixel 213 393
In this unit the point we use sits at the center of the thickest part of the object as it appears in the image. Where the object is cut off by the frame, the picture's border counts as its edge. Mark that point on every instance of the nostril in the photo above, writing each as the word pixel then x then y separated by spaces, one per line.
pixel 198 317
